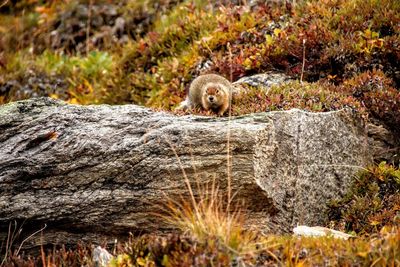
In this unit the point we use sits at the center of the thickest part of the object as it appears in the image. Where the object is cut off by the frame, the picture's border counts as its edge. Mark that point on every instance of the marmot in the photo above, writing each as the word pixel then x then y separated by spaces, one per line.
pixel 209 91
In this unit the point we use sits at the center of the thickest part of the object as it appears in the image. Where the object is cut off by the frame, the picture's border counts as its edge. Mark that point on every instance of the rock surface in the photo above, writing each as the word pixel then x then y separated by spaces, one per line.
pixel 264 80
pixel 101 257
pixel 93 172
pixel 303 230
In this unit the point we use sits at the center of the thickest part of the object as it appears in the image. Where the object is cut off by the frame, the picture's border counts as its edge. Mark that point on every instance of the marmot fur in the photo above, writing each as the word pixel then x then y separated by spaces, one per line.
pixel 210 91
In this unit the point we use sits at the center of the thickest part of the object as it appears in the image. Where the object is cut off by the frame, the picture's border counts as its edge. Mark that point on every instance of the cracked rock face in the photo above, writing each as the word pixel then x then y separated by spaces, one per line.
pixel 94 172
pixel 306 159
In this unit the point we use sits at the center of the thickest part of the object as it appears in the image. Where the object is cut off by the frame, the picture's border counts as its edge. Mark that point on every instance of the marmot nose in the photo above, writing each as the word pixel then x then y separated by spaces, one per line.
pixel 211 98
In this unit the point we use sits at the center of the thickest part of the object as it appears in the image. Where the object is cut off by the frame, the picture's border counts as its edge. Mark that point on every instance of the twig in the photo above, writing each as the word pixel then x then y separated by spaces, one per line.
pixel 42 254
pixel 228 137
pixel 26 239
pixel 7 244
pixel 304 60
pixel 11 238
pixel 4 3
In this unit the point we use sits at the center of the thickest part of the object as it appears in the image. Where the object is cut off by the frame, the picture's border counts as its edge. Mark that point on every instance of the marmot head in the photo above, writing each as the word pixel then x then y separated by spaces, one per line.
pixel 214 96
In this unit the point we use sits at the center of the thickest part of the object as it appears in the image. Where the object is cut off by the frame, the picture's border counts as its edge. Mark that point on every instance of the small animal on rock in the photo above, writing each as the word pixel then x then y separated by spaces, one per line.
pixel 210 91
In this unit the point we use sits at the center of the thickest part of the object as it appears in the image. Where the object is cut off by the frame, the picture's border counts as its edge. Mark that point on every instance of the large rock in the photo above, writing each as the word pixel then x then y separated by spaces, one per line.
pixel 100 171
pixel 264 80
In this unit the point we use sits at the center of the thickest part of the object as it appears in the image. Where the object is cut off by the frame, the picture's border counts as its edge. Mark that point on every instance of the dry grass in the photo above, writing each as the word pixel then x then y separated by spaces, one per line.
pixel 208 217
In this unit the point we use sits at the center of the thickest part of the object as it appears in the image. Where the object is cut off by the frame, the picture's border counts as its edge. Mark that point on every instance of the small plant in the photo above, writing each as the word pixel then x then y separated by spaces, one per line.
pixel 372 202
pixel 87 75
pixel 376 92
pixel 91 67
pixel 317 97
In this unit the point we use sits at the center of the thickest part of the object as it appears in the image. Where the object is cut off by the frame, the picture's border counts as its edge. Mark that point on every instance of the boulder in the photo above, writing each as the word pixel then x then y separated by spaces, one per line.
pixel 98 172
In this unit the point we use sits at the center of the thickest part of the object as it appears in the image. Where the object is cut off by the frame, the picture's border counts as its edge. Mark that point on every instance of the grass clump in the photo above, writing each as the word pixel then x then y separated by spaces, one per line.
pixel 210 218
